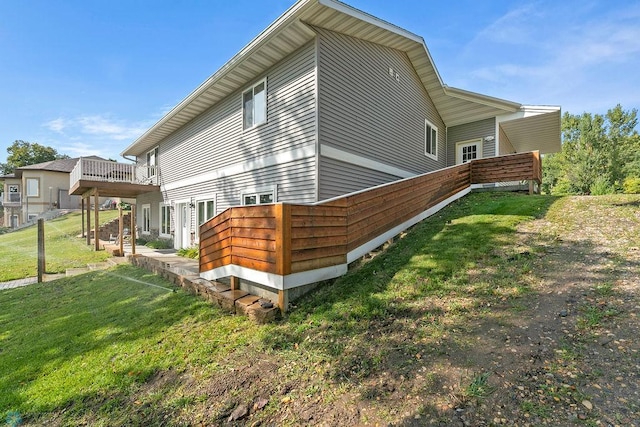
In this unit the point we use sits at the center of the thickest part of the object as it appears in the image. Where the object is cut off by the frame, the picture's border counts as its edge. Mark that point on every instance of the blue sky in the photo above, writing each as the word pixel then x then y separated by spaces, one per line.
pixel 89 77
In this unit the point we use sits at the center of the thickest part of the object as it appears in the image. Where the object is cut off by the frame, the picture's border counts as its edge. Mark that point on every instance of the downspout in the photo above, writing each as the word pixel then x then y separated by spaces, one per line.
pixel 446 146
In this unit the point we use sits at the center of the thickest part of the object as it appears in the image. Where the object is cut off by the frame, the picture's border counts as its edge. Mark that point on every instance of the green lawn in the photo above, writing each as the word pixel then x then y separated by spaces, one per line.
pixel 103 349
pixel 19 253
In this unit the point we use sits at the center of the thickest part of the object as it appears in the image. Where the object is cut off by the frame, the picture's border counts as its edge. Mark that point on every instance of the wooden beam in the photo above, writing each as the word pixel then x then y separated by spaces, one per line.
pixel 235 283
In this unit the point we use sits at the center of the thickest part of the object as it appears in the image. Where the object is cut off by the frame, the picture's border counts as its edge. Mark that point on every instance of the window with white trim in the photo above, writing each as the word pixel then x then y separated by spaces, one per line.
pixel 33 187
pixel 152 162
pixel 254 105
pixel 205 210
pixel 146 219
pixel 430 140
pixel 165 220
pixel 258 197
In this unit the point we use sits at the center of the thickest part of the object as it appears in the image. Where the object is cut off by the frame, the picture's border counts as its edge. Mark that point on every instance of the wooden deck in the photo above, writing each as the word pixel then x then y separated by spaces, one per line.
pixel 294 244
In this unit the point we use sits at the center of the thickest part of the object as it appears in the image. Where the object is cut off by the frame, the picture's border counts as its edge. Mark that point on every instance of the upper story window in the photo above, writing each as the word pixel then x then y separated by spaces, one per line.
pixel 152 162
pixel 254 105
pixel 33 187
pixel 430 140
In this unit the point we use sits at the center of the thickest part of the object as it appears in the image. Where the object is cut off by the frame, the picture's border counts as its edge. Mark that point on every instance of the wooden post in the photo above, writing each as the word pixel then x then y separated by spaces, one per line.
pixel 132 224
pixel 531 186
pixel 283 239
pixel 88 220
pixel 235 283
pixel 283 300
pixel 82 211
pixel 41 261
pixel 120 230
pixel 96 220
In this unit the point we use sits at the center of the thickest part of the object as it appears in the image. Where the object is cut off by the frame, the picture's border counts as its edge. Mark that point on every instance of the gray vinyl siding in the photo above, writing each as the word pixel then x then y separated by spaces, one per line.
pixel 469 131
pixel 154 200
pixel 365 111
pixel 216 139
pixel 292 179
pixel 341 178
pixel 505 145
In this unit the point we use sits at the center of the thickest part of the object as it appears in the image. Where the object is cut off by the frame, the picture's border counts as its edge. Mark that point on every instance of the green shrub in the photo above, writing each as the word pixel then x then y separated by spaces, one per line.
pixel 192 252
pixel 563 186
pixel 631 185
pixel 159 244
pixel 601 186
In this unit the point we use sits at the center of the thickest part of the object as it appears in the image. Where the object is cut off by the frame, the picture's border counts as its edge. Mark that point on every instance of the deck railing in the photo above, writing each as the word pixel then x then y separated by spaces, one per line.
pixel 287 239
pixel 107 171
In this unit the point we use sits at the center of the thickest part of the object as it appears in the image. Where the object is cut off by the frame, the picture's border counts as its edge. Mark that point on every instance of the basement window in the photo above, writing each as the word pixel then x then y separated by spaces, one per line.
pixel 254 105
pixel 259 197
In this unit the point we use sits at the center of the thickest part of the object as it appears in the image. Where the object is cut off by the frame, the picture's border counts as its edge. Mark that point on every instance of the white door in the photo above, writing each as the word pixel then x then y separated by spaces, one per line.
pixel 467 151
pixel 183 234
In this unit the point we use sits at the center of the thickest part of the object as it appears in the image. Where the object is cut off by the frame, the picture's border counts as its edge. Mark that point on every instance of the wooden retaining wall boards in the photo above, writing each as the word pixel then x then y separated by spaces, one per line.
pixel 283 246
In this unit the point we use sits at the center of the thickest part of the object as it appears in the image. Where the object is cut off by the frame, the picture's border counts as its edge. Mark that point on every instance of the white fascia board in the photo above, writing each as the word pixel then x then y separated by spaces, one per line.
pixel 284 20
pixel 372 244
pixel 479 98
pixel 528 111
pixel 354 159
pixel 248 166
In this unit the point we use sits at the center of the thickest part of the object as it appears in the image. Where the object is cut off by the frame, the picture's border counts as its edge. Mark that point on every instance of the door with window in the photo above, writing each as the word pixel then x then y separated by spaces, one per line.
pixel 183 229
pixel 467 151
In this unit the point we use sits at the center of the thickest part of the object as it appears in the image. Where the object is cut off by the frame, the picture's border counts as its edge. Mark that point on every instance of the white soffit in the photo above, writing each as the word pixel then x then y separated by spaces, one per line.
pixel 533 128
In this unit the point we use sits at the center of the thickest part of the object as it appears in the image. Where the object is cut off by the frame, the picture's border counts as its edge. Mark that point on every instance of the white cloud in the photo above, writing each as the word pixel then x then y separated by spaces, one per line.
pixel 118 130
pixel 575 55
pixel 56 125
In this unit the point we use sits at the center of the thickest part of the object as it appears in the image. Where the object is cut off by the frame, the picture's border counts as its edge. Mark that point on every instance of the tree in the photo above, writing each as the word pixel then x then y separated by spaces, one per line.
pixel 598 153
pixel 23 153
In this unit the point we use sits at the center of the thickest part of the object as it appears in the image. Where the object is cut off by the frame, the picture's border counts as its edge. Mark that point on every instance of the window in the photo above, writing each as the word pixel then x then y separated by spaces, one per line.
pixel 152 162
pixel 258 197
pixel 430 140
pixel 14 194
pixel 254 105
pixel 165 220
pixel 33 187
pixel 32 217
pixel 205 210
pixel 146 219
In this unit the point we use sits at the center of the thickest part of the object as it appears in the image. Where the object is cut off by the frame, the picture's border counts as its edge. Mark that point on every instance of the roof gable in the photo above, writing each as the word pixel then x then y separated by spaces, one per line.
pixel 291 31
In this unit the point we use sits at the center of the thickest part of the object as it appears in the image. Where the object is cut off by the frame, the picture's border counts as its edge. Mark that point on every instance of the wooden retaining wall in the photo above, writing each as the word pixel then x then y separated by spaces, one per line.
pixel 288 238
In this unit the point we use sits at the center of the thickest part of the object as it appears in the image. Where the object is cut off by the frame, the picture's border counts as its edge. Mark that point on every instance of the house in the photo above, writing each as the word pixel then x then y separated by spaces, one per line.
pixel 34 189
pixel 326 101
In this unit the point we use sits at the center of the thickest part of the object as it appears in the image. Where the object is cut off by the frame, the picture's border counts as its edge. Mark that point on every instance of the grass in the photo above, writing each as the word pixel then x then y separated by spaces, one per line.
pixel 95 347
pixel 99 336
pixel 19 249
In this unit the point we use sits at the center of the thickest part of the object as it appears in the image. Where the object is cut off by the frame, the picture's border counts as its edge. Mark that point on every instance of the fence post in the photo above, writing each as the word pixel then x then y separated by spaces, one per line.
pixel 41 260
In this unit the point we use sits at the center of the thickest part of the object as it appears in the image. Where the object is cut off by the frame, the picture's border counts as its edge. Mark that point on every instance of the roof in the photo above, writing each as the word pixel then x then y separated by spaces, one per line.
pixel 60 165
pixel 291 31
